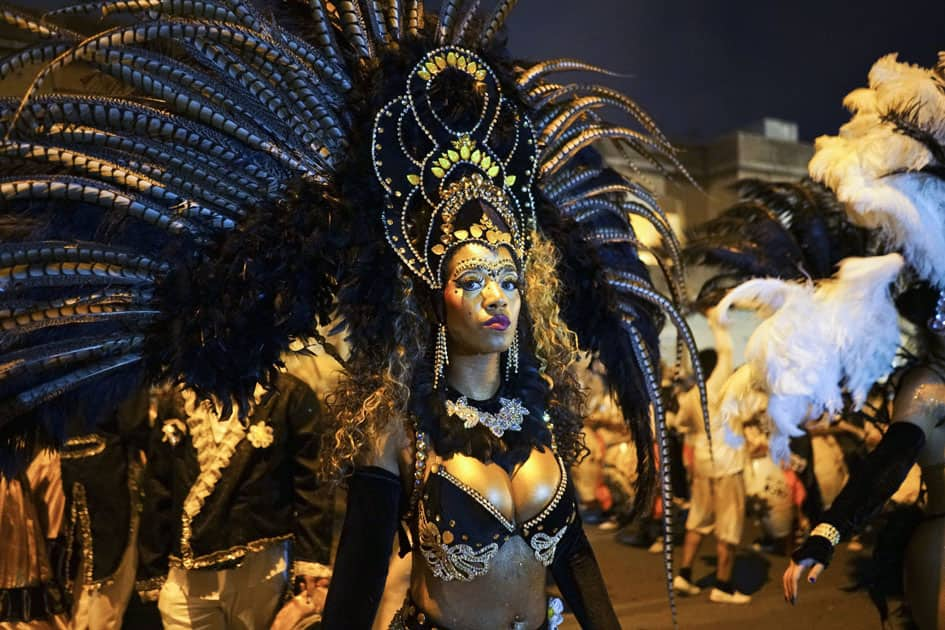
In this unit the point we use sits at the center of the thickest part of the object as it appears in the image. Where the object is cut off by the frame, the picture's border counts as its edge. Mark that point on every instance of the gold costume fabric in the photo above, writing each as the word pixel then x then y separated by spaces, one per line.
pixel 31 511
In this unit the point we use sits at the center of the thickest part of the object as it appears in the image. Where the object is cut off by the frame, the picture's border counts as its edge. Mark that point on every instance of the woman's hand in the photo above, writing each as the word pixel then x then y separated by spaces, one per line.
pixel 792 576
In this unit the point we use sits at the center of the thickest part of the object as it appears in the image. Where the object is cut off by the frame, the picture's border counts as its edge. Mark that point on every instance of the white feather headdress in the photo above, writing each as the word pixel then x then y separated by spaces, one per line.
pixel 816 340
pixel 876 169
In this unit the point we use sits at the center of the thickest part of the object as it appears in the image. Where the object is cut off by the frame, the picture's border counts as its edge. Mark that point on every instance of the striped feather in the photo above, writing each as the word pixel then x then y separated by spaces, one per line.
pixel 353 27
pixel 446 19
pixel 28 24
pixel 414 13
pixel 239 38
pixel 561 64
pixel 324 32
pixel 558 156
pixel 181 8
pixel 579 106
pixel 565 182
pixel 584 210
pixel 30 399
pixel 395 19
pixel 41 359
pixel 39 53
pixel 378 21
pixel 649 365
pixel 108 122
pixel 627 283
pixel 191 93
pixel 73 315
pixel 301 109
pixel 24 278
pixel 192 165
pixel 78 189
pixel 105 171
pixel 462 29
pixel 496 21
pixel 72 10
pixel 139 266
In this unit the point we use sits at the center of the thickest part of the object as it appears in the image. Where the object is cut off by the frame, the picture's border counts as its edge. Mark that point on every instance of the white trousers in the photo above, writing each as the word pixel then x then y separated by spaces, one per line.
pixel 245 598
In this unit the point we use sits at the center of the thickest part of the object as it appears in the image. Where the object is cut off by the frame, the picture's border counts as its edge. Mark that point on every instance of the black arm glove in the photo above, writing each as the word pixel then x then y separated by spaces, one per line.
pixel 880 475
pixel 367 540
pixel 582 586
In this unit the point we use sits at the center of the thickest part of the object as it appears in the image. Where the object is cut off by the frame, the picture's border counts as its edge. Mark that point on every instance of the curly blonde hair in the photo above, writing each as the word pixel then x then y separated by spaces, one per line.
pixel 555 343
pixel 556 347
pixel 375 387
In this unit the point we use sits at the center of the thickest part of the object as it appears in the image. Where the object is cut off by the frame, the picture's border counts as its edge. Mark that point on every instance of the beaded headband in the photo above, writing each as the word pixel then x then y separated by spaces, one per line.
pixel 431 167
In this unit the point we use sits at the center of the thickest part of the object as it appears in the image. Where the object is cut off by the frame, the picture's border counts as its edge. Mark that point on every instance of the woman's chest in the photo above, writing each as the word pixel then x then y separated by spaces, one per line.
pixel 515 498
pixel 470 511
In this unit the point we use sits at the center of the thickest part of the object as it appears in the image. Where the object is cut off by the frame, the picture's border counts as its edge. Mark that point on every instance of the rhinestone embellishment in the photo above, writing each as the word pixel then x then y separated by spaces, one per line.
pixel 509 417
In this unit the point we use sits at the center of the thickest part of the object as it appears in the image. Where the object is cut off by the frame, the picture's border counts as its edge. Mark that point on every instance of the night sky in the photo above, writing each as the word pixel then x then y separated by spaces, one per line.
pixel 705 67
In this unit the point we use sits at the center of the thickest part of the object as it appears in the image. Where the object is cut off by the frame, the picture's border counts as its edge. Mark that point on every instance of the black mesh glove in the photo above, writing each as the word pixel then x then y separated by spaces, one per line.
pixel 880 475
pixel 817 548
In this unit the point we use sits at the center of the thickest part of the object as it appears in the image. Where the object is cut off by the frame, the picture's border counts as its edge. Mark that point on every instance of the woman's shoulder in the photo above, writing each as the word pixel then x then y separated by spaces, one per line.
pixel 393 448
pixel 920 396
pixel 921 375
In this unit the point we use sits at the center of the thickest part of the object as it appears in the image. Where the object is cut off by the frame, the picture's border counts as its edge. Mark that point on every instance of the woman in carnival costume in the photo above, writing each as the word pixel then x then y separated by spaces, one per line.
pixel 888 167
pixel 257 172
pixel 821 341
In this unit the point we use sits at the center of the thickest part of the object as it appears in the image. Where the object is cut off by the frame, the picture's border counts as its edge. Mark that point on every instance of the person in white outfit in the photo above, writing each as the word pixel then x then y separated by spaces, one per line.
pixel 717 504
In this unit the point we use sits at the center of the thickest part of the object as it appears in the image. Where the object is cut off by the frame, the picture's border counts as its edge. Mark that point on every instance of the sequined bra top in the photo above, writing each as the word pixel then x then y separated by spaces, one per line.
pixel 460 531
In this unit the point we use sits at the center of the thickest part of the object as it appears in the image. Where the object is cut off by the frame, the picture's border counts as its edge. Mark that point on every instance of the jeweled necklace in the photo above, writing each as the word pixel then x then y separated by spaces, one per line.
pixel 508 418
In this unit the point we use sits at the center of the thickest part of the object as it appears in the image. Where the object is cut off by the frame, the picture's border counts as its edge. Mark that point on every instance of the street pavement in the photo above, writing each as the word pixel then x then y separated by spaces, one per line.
pixel 635 580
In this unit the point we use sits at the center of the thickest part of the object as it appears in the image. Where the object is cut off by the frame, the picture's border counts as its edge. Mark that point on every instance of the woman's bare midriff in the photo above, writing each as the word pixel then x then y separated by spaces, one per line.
pixel 512 592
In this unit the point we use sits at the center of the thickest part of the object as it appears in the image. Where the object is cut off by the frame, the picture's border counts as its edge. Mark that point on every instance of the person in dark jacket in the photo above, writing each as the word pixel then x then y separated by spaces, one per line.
pixel 232 508
pixel 101 473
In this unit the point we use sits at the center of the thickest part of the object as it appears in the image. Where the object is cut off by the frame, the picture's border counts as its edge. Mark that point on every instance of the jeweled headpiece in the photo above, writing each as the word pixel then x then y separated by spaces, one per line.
pixel 434 153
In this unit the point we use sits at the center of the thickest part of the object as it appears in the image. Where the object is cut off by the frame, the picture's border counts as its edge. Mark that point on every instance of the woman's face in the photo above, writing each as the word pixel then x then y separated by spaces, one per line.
pixel 482 300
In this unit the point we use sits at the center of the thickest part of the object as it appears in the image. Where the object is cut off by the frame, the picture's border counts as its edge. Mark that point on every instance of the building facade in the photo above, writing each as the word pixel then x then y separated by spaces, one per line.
pixel 768 149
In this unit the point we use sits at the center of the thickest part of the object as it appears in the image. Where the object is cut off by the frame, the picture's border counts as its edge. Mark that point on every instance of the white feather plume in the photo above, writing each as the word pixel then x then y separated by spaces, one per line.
pixel 765 295
pixel 740 403
pixel 873 168
pixel 814 342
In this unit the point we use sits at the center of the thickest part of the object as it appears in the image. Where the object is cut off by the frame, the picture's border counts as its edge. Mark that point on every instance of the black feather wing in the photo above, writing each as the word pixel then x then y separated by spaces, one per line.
pixel 788 230
pixel 179 226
